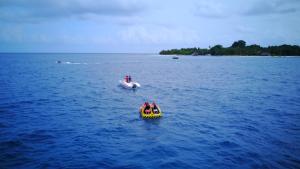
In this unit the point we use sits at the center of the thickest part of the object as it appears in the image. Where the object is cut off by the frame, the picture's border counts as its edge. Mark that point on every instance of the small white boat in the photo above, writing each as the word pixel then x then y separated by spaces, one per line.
pixel 130 85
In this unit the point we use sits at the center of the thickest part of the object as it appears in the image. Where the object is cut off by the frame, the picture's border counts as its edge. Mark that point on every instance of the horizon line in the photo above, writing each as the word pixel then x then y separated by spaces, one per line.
pixel 77 53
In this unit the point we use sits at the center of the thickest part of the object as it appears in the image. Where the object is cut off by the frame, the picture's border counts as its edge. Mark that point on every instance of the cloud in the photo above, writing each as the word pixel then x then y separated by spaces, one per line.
pixel 273 7
pixel 37 10
pixel 220 9
pixel 111 25
pixel 158 35
pixel 210 9
pixel 244 29
pixel 11 34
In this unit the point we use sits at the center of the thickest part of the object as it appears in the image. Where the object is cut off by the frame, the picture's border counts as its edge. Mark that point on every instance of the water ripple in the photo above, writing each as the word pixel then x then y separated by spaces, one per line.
pixel 218 112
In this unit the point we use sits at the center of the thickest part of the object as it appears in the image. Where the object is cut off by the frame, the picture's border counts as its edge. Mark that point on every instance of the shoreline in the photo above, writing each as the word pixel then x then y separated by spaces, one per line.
pixel 230 56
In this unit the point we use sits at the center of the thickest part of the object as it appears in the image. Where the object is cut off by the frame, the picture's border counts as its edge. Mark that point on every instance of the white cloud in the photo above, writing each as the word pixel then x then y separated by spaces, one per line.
pixel 11 34
pixel 158 35
pixel 211 9
pixel 244 29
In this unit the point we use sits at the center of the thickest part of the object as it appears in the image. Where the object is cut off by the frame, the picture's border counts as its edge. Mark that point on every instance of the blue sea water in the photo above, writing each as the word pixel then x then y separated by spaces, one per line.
pixel 218 112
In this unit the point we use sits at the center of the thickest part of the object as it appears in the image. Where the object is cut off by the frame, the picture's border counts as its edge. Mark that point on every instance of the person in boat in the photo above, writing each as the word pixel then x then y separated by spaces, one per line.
pixel 155 109
pixel 126 79
pixel 129 79
pixel 147 109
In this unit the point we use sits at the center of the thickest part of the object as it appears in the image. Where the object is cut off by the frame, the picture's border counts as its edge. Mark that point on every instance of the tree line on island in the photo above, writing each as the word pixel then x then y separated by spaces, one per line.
pixel 238 48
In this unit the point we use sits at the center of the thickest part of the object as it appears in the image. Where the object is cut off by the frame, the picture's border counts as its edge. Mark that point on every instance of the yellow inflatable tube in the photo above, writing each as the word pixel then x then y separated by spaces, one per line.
pixel 150 112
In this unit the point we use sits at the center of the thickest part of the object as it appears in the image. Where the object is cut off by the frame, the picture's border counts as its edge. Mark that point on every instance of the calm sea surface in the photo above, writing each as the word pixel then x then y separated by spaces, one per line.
pixel 219 112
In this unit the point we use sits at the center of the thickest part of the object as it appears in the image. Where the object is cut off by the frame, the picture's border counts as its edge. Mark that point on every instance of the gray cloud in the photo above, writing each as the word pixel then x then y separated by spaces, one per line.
pixel 219 9
pixel 37 10
pixel 273 7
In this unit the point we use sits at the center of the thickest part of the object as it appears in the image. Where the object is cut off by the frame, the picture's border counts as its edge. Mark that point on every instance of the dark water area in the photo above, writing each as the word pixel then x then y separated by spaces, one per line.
pixel 218 112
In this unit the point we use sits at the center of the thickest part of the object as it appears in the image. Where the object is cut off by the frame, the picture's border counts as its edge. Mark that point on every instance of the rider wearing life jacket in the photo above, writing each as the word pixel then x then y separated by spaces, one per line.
pixel 126 79
pixel 147 109
pixel 155 109
pixel 129 78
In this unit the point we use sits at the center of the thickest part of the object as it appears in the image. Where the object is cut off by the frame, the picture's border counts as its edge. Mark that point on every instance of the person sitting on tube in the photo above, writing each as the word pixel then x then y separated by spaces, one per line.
pixel 147 108
pixel 155 109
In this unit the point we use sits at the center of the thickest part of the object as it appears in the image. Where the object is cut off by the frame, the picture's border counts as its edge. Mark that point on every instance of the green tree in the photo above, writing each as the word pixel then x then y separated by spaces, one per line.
pixel 238 48
pixel 216 50
pixel 239 44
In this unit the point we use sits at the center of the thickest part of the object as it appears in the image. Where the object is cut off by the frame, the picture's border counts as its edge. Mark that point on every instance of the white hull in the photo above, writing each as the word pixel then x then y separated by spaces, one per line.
pixel 131 85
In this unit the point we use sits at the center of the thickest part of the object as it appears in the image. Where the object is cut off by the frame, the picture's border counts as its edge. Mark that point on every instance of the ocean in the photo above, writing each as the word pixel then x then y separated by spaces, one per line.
pixel 218 112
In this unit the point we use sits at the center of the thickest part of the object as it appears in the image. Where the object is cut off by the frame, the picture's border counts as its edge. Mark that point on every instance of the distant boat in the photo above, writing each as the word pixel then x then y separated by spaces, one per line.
pixel 175 57
pixel 129 85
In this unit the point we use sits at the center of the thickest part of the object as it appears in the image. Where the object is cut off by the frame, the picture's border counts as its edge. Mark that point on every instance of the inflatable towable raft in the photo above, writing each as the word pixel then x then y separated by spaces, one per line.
pixel 150 111
pixel 130 85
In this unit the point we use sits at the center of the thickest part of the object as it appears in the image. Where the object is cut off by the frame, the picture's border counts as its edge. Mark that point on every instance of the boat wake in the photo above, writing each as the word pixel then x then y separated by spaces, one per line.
pixel 76 63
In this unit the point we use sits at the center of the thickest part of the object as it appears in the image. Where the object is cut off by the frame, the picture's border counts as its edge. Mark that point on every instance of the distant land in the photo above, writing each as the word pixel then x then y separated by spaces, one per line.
pixel 238 48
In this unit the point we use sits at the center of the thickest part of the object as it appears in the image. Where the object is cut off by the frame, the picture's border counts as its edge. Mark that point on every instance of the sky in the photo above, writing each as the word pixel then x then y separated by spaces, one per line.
pixel 144 26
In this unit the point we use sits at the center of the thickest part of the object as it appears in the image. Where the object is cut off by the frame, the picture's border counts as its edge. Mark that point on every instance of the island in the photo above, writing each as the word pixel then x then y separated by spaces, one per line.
pixel 238 48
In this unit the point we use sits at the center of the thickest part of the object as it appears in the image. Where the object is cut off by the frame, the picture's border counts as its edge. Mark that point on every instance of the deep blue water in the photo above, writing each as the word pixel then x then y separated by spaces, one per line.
pixel 219 112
